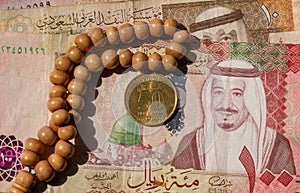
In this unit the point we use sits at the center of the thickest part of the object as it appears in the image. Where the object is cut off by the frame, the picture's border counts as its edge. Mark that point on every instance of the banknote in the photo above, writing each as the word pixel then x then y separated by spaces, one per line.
pixel 22 4
pixel 66 19
pixel 256 19
pixel 26 61
pixel 285 37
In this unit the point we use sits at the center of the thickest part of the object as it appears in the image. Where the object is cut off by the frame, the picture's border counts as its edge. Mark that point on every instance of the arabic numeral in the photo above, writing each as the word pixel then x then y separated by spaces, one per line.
pixel 31 50
pixel 2 48
pixel 48 4
pixel 25 50
pixel 41 4
pixel 14 50
pixel 43 50
pixel 7 48
pixel 37 50
pixel 35 5
pixel 28 7
pixel 19 50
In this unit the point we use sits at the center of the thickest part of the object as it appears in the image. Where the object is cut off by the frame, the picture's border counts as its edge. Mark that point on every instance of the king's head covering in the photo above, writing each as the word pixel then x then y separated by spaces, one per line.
pixel 217 18
pixel 260 139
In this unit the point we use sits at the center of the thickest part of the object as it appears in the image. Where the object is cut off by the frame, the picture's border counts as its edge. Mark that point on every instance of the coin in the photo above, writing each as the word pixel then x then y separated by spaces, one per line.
pixel 151 99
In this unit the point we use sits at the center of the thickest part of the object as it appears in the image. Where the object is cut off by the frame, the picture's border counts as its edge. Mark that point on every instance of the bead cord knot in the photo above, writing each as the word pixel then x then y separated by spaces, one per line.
pixel 70 78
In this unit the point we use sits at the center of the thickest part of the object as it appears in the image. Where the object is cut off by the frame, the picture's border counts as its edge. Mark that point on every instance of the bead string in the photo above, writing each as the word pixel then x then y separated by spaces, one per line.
pixel 66 96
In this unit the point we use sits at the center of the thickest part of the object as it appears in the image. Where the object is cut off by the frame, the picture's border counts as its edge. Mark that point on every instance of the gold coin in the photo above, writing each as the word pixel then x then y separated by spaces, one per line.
pixel 151 99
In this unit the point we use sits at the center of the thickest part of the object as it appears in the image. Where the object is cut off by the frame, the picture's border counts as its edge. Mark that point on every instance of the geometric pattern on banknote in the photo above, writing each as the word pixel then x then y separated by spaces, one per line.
pixel 107 191
pixel 19 24
pixel 217 51
pixel 293 61
pixel 10 152
pixel 267 56
pixel 271 58
pixel 285 178
pixel 247 160
pixel 267 177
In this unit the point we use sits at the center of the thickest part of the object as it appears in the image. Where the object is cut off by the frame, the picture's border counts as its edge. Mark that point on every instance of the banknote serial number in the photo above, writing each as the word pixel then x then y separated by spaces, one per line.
pixel 34 5
pixel 22 50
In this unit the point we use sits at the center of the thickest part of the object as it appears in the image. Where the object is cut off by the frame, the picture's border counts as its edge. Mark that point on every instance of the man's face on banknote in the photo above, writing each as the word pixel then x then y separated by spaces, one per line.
pixel 219 35
pixel 229 110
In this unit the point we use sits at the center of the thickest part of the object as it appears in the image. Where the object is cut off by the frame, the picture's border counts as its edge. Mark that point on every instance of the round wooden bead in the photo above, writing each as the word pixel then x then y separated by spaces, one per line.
pixel 15 188
pixel 139 61
pixel 63 63
pixel 156 27
pixel 77 86
pixel 125 57
pixel 34 145
pixel 170 26
pixel 44 171
pixel 93 63
pixel 169 62
pixel 126 33
pixel 25 179
pixel 112 35
pixel 82 73
pixel 47 135
pixel 29 158
pixel 154 62
pixel 83 42
pixel 58 77
pixel 60 116
pixel 98 37
pixel 175 49
pixel 75 116
pixel 56 103
pixel 181 36
pixel 64 149
pixel 75 101
pixel 74 54
pixel 110 59
pixel 67 132
pixel 57 162
pixel 57 91
pixel 141 30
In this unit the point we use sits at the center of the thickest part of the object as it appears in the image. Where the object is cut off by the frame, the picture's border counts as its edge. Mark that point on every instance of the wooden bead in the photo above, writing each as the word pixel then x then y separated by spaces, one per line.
pixel 47 135
pixel 154 62
pixel 14 189
pixel 44 171
pixel 156 27
pixel 181 36
pixel 67 132
pixel 82 73
pixel 125 58
pixel 29 158
pixel 75 101
pixel 57 91
pixel 93 63
pixel 110 59
pixel 170 26
pixel 25 179
pixel 20 187
pixel 139 61
pixel 169 62
pixel 112 35
pixel 60 117
pixel 75 116
pixel 34 145
pixel 63 63
pixel 98 37
pixel 57 162
pixel 141 30
pixel 175 49
pixel 83 42
pixel 126 33
pixel 77 86
pixel 64 149
pixel 56 103
pixel 75 54
pixel 58 77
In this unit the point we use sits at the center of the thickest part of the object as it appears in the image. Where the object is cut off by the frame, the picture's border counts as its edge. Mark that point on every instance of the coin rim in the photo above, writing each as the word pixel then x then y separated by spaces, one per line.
pixel 170 83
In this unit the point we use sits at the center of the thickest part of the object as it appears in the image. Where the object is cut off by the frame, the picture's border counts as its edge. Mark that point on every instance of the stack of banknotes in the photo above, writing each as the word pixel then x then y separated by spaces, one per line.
pixel 239 93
